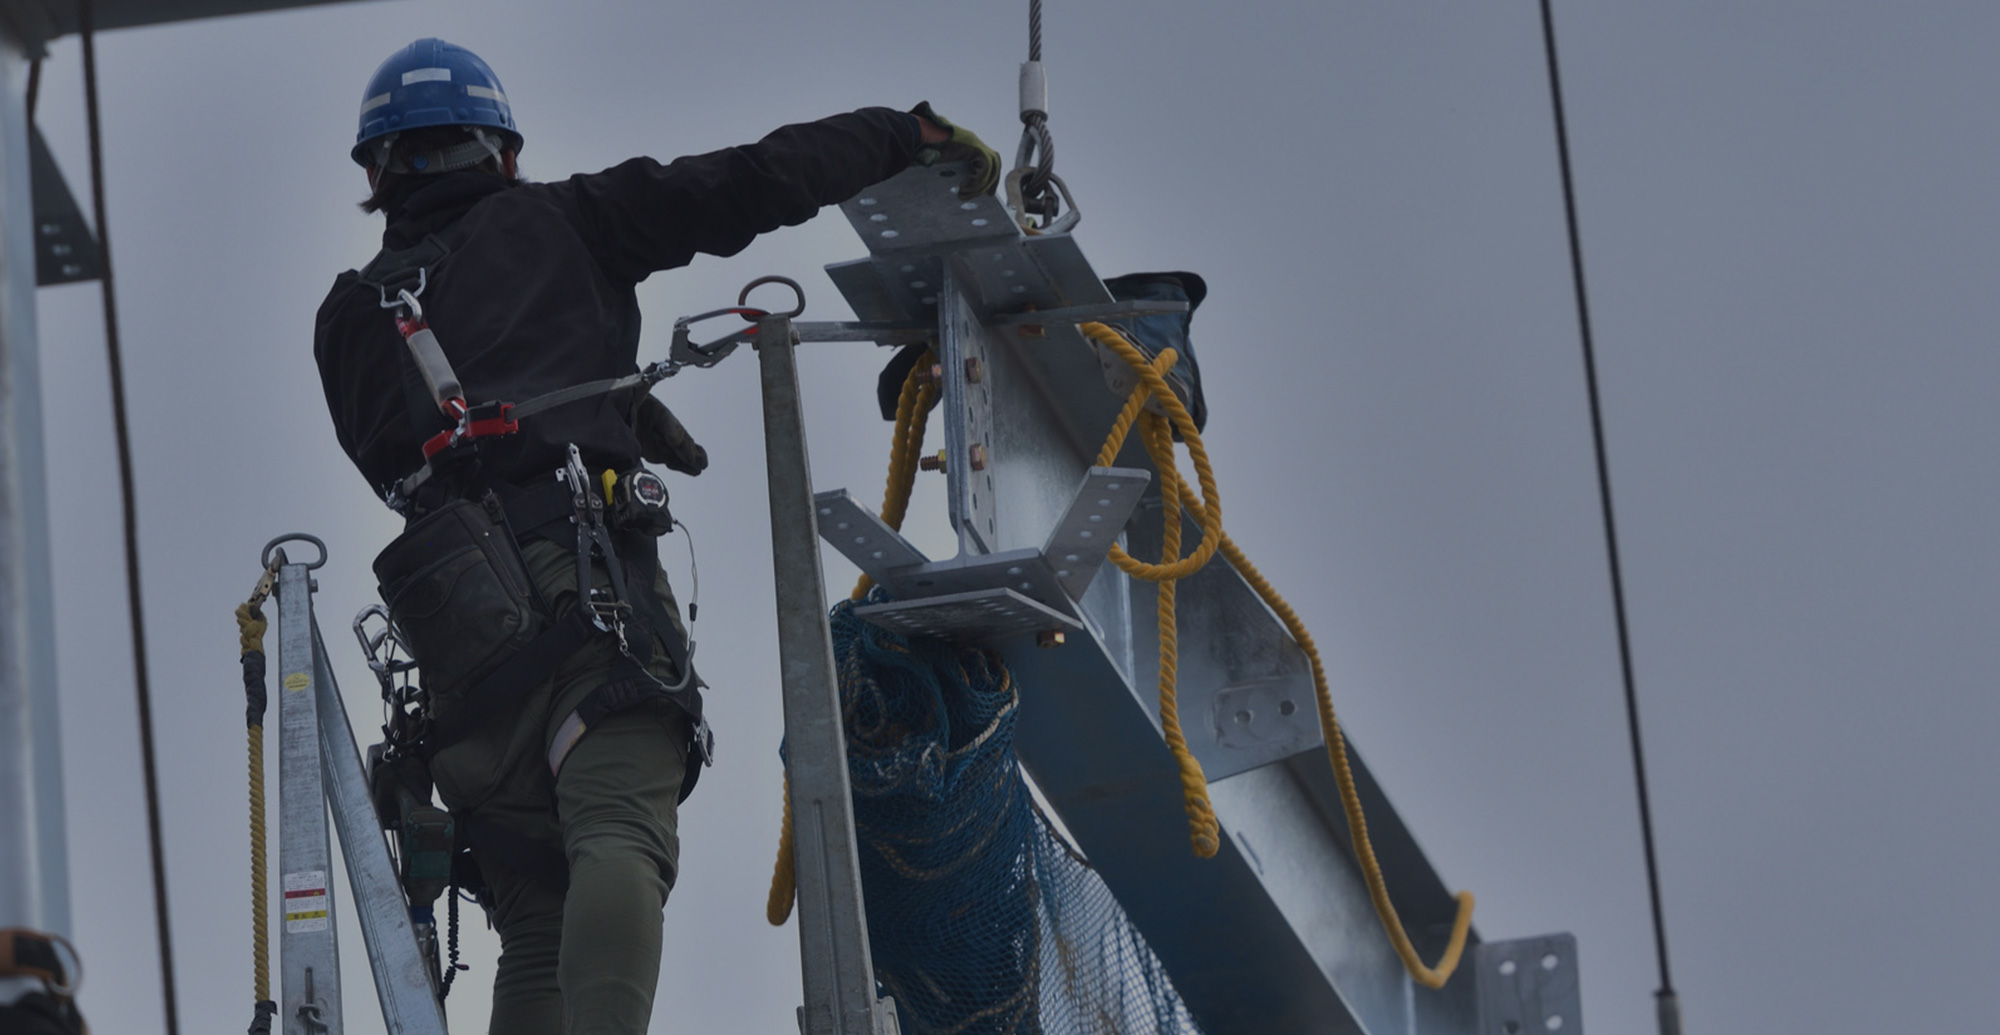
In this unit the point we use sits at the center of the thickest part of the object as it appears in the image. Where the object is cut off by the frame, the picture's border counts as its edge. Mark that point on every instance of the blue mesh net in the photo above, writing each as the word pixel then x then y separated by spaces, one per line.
pixel 981 918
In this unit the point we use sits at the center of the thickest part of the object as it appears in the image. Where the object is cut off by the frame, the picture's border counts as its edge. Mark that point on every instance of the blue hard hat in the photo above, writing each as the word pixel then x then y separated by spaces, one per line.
pixel 432 83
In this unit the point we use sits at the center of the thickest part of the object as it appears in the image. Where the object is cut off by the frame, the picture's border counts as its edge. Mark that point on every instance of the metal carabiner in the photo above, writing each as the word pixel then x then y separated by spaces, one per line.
pixel 409 302
pixel 684 352
pixel 382 290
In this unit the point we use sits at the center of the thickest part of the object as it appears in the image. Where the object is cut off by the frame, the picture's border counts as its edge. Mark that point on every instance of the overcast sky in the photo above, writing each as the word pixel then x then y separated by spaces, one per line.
pixel 1790 230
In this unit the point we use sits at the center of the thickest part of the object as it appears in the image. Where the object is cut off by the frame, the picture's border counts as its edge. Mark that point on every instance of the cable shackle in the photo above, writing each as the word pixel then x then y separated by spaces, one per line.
pixel 1021 198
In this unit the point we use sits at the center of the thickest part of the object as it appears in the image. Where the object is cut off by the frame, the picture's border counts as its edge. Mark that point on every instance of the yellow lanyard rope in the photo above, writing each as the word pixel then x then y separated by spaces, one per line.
pixel 250 627
pixel 1206 511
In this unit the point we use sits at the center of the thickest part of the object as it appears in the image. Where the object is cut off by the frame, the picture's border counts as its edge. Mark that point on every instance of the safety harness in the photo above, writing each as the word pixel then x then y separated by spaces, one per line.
pixel 588 515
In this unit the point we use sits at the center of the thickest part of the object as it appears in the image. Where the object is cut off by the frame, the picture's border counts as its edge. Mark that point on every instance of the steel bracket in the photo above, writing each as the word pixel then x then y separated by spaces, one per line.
pixel 993 596
pixel 1529 985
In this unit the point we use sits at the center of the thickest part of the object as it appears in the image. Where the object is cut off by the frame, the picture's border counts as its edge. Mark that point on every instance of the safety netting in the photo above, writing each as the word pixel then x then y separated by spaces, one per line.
pixel 981 918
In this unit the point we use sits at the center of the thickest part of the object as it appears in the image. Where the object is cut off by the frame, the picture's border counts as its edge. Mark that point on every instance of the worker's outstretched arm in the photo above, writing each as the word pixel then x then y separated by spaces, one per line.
pixel 641 216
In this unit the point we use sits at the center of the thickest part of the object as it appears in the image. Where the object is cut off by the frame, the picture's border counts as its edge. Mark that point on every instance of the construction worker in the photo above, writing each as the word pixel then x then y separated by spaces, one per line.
pixel 563 761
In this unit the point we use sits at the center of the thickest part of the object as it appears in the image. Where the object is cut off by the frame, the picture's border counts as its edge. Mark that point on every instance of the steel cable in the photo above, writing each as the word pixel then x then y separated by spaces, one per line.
pixel 1036 141
pixel 86 27
pixel 1667 1002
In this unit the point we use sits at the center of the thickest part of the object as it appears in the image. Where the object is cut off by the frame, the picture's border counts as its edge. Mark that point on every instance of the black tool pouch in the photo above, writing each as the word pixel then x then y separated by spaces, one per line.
pixel 459 593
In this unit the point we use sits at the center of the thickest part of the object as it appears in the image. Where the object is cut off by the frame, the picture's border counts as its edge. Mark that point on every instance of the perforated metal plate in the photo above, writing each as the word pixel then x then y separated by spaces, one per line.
pixel 861 536
pixel 889 559
pixel 1529 985
pixel 968 439
pixel 1020 571
pixel 1087 530
pixel 980 616
pixel 920 207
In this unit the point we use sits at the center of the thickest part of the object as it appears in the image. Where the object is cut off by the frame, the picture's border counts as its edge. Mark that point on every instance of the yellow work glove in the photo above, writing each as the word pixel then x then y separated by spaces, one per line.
pixel 963 146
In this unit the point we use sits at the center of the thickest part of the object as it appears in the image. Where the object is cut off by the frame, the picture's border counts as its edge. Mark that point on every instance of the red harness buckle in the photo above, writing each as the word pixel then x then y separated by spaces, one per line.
pixel 489 420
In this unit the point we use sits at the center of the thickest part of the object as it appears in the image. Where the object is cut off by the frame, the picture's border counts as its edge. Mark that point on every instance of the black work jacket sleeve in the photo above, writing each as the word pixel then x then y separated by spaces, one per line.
pixel 639 216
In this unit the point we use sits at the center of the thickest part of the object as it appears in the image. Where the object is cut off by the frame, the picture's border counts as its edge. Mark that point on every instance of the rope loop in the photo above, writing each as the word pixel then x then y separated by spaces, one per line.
pixel 1157 429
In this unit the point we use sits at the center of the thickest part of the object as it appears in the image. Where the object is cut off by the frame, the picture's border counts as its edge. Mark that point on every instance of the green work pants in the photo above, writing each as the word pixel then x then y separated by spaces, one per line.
pixel 585 962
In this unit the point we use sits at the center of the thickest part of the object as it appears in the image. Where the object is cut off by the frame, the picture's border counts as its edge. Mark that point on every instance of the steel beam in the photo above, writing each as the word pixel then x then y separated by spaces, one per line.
pixel 1276 932
pixel 838 972
pixel 39 21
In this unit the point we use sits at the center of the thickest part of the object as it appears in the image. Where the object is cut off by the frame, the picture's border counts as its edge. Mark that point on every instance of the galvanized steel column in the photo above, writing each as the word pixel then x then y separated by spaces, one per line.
pixel 839 976
pixel 410 1004
pixel 309 950
pixel 34 872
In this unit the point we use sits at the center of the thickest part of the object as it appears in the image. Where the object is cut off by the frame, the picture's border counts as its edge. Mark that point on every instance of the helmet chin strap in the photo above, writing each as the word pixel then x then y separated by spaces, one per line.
pixel 483 147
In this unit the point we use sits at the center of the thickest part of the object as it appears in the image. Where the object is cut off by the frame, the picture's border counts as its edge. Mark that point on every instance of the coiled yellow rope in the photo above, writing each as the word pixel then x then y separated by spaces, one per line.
pixel 1206 511
pixel 250 625
pixel 913 407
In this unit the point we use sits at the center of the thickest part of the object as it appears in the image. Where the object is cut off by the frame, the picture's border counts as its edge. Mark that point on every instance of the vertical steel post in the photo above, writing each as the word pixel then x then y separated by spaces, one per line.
pixel 839 974
pixel 308 949
pixel 402 981
pixel 34 871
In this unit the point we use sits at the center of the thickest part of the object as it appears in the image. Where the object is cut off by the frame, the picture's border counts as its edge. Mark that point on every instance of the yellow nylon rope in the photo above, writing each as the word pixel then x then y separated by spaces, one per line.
pixel 913 408
pixel 250 626
pixel 259 939
pixel 1206 511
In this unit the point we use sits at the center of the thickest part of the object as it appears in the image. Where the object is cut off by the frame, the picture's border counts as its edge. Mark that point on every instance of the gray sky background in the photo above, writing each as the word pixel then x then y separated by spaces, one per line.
pixel 1788 216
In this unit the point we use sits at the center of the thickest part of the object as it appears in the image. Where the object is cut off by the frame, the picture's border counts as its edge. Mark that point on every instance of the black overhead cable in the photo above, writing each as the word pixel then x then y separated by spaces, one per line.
pixel 86 25
pixel 1667 1002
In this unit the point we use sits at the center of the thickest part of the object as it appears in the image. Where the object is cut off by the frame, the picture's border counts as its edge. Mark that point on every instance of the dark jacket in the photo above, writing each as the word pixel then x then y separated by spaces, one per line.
pixel 536 292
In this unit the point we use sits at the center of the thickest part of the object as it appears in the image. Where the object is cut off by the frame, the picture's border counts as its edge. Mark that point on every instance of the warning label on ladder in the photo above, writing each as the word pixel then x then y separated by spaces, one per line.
pixel 305 902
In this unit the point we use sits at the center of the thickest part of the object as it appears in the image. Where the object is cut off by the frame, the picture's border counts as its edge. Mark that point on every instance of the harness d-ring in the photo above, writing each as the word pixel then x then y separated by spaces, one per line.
pixel 743 297
pixel 272 546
